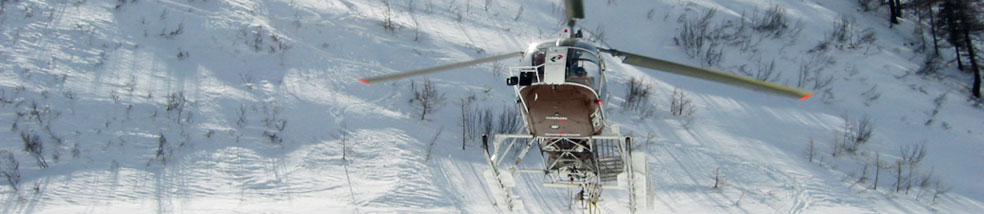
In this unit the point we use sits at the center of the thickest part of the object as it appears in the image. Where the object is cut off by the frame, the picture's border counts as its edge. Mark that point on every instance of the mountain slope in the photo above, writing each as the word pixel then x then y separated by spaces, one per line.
pixel 253 106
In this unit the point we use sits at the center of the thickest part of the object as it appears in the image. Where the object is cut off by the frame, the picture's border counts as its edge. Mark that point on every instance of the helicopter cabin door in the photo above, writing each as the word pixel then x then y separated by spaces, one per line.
pixel 555 66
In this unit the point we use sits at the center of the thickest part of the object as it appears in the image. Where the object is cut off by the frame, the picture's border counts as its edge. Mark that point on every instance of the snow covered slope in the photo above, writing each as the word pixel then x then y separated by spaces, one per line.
pixel 202 106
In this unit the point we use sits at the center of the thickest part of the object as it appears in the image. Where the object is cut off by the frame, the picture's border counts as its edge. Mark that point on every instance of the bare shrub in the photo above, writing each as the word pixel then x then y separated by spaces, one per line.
pixel 939 189
pixel 938 101
pixel 519 13
pixel 698 40
pixel 811 72
pixel 811 150
pixel 255 39
pixel 486 121
pixel 176 102
pixel 417 34
pixel 845 36
pixel 718 179
pixel 163 153
pixel 433 141
pixel 931 65
pixel 388 17
pixel 868 5
pixel 774 22
pixel 275 125
pixel 171 33
pixel 467 117
pixel 871 95
pixel 906 167
pixel 242 115
pixel 10 168
pixel 681 105
pixel 33 144
pixel 879 165
pixel 763 73
pixel 856 134
pixel 637 95
pixel 509 121
pixel 426 98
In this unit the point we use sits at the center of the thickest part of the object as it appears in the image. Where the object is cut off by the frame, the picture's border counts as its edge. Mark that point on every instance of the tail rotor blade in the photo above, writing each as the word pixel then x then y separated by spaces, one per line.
pixel 401 75
pixel 701 73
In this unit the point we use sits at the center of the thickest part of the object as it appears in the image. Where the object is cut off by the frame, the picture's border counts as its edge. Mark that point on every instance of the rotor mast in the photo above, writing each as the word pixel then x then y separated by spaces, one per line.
pixel 574 10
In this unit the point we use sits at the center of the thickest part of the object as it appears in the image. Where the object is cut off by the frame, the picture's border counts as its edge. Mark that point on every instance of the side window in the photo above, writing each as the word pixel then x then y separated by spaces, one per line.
pixel 538 58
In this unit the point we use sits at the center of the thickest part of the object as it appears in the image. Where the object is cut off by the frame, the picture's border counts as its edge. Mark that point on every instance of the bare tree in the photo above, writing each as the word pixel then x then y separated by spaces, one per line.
pixel 699 40
pixel 939 189
pixel 856 134
pixel 763 73
pixel 773 21
pixel 899 166
pixel 176 102
pixel 837 145
pixel 33 144
pixel 162 151
pixel 718 179
pixel 811 151
pixel 636 95
pixel 864 175
pixel 519 13
pixel 467 117
pixel 388 17
pixel 10 168
pixel 924 184
pixel 426 98
pixel 343 134
pixel 879 165
pixel 509 121
pixel 911 156
pixel 433 140
pixel 486 121
pixel 680 104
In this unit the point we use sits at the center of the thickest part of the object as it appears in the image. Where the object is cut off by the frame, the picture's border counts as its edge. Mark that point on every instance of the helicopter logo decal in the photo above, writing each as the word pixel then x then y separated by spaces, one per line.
pixel 555 58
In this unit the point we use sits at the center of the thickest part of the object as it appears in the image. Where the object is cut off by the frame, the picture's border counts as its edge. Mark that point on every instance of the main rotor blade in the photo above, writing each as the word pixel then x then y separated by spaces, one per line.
pixel 701 73
pixel 370 80
pixel 575 9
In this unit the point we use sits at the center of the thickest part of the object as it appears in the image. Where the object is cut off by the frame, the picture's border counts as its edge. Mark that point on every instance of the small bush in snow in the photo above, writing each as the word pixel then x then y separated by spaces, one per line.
pixel 763 73
pixel 718 179
pixel 33 144
pixel 637 95
pixel 509 121
pixel 698 40
pixel 855 134
pixel 868 5
pixel 773 22
pixel 10 168
pixel 388 17
pixel 681 105
pixel 811 72
pixel 426 98
pixel 845 37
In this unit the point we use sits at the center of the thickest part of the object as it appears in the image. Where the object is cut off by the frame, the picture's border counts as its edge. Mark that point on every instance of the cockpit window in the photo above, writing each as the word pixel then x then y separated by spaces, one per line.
pixel 582 67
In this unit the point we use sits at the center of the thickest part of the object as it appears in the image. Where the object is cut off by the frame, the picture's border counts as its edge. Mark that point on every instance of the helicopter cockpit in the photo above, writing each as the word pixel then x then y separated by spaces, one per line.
pixel 566 61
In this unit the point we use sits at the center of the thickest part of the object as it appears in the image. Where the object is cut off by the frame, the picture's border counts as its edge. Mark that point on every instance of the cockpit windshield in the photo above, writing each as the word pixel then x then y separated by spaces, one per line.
pixel 582 68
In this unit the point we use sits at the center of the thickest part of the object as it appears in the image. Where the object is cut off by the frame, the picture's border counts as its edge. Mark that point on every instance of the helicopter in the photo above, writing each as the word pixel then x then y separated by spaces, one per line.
pixel 561 89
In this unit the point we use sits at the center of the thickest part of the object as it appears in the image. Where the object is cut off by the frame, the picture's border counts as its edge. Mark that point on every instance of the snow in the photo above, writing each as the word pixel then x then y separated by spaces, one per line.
pixel 271 99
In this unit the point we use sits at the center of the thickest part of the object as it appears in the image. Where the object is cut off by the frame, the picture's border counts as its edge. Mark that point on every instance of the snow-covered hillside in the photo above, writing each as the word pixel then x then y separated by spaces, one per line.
pixel 229 106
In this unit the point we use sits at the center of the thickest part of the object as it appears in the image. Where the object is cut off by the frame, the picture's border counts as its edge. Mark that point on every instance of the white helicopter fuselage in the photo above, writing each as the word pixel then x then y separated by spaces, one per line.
pixel 562 91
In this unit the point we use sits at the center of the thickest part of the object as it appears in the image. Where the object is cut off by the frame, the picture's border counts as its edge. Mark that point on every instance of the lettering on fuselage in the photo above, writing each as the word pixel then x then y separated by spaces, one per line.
pixel 556 118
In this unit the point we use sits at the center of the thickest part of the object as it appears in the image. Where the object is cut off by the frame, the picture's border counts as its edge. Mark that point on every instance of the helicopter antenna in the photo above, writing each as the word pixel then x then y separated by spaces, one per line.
pixel 574 10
